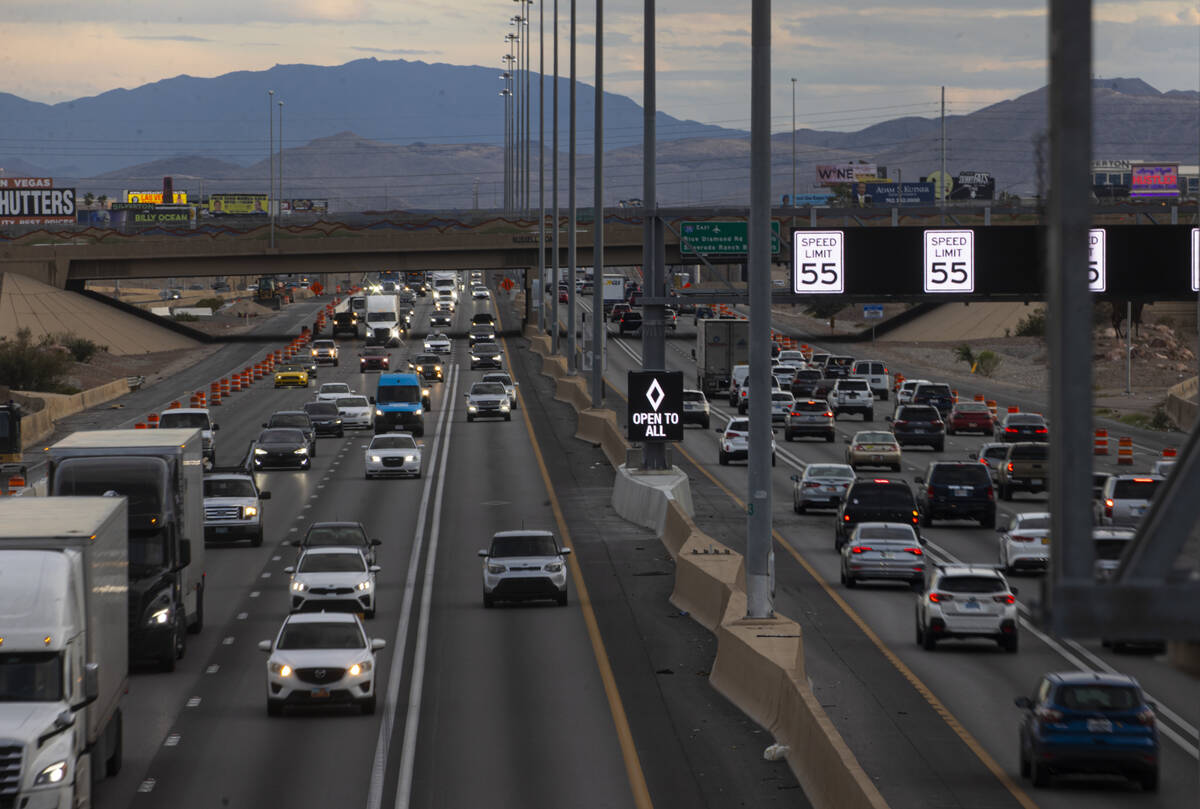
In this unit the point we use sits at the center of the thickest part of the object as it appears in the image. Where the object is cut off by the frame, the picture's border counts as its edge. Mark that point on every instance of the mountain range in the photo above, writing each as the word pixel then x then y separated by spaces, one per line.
pixel 395 134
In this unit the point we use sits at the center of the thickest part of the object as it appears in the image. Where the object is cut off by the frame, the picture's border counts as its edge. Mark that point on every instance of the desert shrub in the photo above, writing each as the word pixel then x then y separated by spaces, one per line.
pixel 81 348
pixel 26 364
pixel 1033 324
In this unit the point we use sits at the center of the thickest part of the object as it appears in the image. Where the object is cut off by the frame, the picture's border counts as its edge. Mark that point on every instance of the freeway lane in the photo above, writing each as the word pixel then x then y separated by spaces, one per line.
pixel 975 683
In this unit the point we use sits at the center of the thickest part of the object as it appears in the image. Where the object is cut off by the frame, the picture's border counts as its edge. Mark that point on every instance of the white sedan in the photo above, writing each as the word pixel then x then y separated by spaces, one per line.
pixel 321 658
pixel 357 412
pixel 1025 542
pixel 481 292
pixel 332 578
pixel 437 343
pixel 332 391
pixel 393 454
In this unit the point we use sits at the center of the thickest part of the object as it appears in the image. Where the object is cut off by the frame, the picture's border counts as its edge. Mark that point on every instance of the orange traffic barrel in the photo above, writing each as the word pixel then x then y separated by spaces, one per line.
pixel 141 425
pixel 954 396
pixel 979 397
pixel 1125 451
pixel 1100 446
pixel 16 482
pixel 152 420
pixel 215 399
pixel 174 405
pixel 991 403
pixel 1014 409
pixel 235 384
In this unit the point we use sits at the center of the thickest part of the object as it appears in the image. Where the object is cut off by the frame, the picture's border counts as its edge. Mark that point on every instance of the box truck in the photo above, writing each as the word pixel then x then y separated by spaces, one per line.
pixel 720 345
pixel 161 473
pixel 64 664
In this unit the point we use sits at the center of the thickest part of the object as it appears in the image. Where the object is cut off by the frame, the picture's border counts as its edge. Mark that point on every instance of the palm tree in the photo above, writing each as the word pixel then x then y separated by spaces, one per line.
pixel 88 199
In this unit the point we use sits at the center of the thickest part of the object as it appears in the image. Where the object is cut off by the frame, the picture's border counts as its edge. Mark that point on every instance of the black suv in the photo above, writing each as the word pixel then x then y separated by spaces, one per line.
pixel 427 366
pixel 345 323
pixel 296 420
pixel 875 500
pixel 483 317
pixel 957 489
pixel 919 424
pixel 936 394
pixel 805 383
pixel 630 321
pixel 325 418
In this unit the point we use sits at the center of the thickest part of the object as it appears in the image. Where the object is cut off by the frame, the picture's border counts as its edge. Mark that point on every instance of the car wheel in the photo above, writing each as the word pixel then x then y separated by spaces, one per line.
pixel 829 437
pixel 722 458
pixel 884 395
pixel 1150 781
pixel 1024 763
pixel 562 600
pixel 197 625
pixel 869 415
pixel 488 601
pixel 470 417
pixel 787 435
pixel 920 635
pixel 705 423
pixel 939 446
pixel 896 467
pixel 368 614
pixel 928 641
pixel 508 417
pixel 772 459
pixel 1006 493
pixel 1008 643
pixel 1039 774
pixel 949 431
pixel 274 708
pixel 799 508
pixel 988 520
pixel 926 519
pixel 257 539
pixel 342 433
pixel 367 705
pixel 849 581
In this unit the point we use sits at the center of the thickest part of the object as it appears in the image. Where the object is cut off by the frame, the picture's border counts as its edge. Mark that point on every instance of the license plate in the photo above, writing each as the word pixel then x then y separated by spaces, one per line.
pixel 961 492
pixel 876 457
pixel 886 555
pixel 1036 481
pixel 222 529
pixel 971 605
pixel 1099 726
pixel 319 693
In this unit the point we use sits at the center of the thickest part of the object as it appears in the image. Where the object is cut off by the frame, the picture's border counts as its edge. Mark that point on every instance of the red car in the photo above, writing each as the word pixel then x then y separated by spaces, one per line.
pixel 966 417
pixel 374 358
pixel 562 296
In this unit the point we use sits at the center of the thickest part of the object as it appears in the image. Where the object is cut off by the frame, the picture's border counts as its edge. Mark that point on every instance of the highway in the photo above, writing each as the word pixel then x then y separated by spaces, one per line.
pixel 516 706
pixel 931 728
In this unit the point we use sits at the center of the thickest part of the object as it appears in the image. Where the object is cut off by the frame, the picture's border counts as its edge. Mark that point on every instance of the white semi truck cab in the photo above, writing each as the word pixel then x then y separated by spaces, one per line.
pixel 63 647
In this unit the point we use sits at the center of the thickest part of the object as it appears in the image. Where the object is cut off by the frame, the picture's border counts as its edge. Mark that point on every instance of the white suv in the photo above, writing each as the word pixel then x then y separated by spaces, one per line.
pixel 524 565
pixel 1025 542
pixel 963 601
pixel 735 442
pixel 852 396
pixel 321 658
pixel 332 578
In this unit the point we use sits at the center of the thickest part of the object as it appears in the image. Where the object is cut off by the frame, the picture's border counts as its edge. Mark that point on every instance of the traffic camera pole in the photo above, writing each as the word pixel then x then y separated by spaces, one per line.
pixel 654 334
pixel 760 586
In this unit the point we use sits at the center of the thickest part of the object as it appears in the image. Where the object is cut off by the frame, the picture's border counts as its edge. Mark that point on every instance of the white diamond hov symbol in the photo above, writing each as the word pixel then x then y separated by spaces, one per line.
pixel 654 394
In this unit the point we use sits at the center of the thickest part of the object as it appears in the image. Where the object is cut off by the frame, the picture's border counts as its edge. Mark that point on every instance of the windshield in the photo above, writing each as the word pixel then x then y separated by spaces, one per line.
pixel 4 424
pixel 289 369
pixel 886 532
pixel 877 495
pixel 487 389
pixel 169 420
pixel 325 409
pixel 380 317
pixel 1021 418
pixel 374 351
pixel 840 472
pixel 972 584
pixel 1134 489
pixel 324 344
pixel 933 390
pixel 298 420
pixel 852 384
pixel 394 442
pixel 352 401
pixel 228 487
pixel 335 535
pixel 874 438
pixel 971 473
pixel 693 396
pixel 1030 452
pixel 402 394
pixel 143 480
pixel 503 379
pixel 335 387
pixel 321 636
pixel 972 407
pixel 1026 522
pixel 427 359
pixel 31 677
pixel 286 437
pixel 918 414
pixel 536 545
pixel 1097 697
pixel 332 563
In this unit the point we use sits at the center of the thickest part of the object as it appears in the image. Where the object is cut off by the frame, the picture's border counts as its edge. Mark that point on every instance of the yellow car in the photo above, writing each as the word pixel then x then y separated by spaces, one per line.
pixel 291 376
pixel 873 448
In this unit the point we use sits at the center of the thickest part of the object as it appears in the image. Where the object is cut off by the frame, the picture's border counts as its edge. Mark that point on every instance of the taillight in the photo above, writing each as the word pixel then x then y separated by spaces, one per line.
pixel 929 493
pixel 915 551
pixel 828 414
pixel 901 423
pixel 1020 538
pixel 937 598
pixel 860 549
pixel 846 517
pixel 1040 430
pixel 1144 717
pixel 1010 468
pixel 1010 429
pixel 1108 507
pixel 859 448
pixel 1007 598
pixel 1045 714
pixel 939 423
pixel 983 461
pixel 991 494
pixel 794 413
pixel 812 485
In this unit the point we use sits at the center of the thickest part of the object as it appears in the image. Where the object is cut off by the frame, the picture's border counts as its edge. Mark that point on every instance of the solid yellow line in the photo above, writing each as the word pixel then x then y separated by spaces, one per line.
pixel 633 765
pixel 938 706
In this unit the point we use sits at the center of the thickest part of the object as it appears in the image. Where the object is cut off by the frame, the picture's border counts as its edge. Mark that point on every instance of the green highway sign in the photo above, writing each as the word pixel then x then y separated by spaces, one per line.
pixel 719 238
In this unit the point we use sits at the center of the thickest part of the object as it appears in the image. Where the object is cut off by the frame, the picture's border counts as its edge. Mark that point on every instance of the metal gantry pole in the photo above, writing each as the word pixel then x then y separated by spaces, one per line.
pixel 541 166
pixel 1069 327
pixel 528 99
pixel 271 161
pixel 572 211
pixel 759 555
pixel 654 346
pixel 280 206
pixel 598 218
pixel 551 285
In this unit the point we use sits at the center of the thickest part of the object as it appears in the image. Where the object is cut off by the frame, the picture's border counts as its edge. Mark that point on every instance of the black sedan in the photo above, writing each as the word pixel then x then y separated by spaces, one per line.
pixel 325 417
pixel 486 355
pixel 427 366
pixel 1022 427
pixel 339 535
pixel 281 448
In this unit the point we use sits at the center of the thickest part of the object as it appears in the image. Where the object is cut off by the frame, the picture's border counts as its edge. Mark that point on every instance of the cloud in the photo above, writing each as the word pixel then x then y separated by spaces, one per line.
pixel 392 51
pixel 172 38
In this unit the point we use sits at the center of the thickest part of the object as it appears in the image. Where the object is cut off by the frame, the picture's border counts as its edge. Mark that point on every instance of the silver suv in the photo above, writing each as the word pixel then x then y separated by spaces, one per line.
pixel 809 417
pixel 233 508
pixel 1125 498
pixel 524 565
pixel 852 396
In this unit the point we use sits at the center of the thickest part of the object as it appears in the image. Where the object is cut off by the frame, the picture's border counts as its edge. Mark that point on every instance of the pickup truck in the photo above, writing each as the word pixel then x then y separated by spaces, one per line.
pixel 1025 469
pixel 233 507
pixel 852 396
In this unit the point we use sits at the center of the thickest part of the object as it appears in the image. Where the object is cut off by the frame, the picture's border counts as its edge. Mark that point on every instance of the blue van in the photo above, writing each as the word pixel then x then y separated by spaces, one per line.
pixel 400 404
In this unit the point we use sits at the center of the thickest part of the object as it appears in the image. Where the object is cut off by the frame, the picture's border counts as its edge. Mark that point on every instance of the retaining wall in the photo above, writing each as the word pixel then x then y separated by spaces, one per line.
pixel 55 406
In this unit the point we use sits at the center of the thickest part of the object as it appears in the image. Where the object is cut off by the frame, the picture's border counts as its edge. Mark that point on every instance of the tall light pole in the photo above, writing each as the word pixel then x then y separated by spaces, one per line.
pixel 271 161
pixel 519 98
pixel 553 285
pixel 506 93
pixel 654 337
pixel 528 101
pixel 541 166
pixel 793 197
pixel 281 156
pixel 598 218
pixel 572 211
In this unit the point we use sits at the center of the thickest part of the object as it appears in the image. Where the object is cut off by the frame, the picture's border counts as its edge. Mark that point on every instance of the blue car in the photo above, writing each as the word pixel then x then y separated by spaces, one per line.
pixel 1085 722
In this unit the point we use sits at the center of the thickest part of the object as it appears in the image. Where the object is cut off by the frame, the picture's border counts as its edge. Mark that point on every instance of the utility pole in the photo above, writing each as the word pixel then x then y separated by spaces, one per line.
pixel 572 212
pixel 760 565
pixel 598 219
pixel 793 197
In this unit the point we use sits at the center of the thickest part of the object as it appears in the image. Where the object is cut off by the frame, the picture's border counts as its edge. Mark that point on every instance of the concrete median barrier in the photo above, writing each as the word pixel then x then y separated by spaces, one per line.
pixel 643 497
pixel 707 575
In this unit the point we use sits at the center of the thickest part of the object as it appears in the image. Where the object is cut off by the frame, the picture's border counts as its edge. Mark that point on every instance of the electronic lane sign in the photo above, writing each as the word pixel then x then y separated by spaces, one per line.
pixel 818 262
pixel 655 406
pixel 949 261
pixel 1195 259
pixel 1097 261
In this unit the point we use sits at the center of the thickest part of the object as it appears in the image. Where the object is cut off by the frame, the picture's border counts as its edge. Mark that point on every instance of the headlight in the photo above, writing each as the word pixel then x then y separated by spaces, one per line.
pixel 282 669
pixel 337 421
pixel 160 616
pixel 504 408
pixel 375 459
pixel 425 392
pixel 495 568
pixel 359 668
pixel 314 352
pixel 250 511
pixel 553 567
pixel 258 451
pixel 301 451
pixel 364 585
pixel 418 411
pixel 53 774
pixel 437 368
pixel 409 458
pixel 474 358
pixel 299 587
pixel 378 412
pixel 470 408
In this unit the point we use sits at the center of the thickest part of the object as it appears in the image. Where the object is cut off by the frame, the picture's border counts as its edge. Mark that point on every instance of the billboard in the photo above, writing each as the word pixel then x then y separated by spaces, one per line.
pixel 304 205
pixel 151 216
pixel 237 204
pixel 896 194
pixel 155 197
pixel 34 201
pixel 1151 180
pixel 973 185
pixel 840 173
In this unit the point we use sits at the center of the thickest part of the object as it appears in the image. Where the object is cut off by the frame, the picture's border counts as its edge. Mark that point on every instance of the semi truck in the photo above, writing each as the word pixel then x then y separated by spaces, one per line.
pixel 64 665
pixel 383 320
pixel 12 467
pixel 720 345
pixel 161 472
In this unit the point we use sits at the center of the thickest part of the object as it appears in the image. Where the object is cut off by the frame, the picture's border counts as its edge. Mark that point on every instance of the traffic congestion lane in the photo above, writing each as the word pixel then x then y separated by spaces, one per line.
pixel 897 632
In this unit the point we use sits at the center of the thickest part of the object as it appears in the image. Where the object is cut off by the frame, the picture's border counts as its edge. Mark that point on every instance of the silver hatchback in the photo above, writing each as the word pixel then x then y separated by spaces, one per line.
pixel 1125 499
pixel 822 485
pixel 883 550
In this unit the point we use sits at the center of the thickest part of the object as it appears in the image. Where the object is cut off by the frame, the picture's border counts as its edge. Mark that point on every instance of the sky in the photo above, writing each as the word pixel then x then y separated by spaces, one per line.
pixel 854 63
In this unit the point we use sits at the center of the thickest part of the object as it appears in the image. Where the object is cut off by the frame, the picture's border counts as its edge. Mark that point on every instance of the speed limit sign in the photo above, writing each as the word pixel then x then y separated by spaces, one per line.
pixel 1097 270
pixel 818 266
pixel 949 261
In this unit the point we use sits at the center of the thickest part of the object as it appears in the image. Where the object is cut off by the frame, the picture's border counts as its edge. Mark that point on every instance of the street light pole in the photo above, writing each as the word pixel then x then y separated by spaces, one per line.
pixel 519 97
pixel 541 166
pixel 281 157
pixel 793 197
pixel 654 347
pixel 552 285
pixel 572 212
pixel 271 162
pixel 598 218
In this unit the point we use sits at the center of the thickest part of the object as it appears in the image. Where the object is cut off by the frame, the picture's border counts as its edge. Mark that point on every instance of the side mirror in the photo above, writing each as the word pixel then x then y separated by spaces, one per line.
pixel 847 439
pixel 482 552
pixel 1015 591
pixel 887 418
pixel 264 645
pixel 374 568
pixel 91 686
pixel 371 399
pixel 264 495
pixel 216 427
pixel 718 429
pixel 377 644
pixel 918 479
pixel 974 456
pixel 264 424
pixel 375 543
pixel 565 551
pixel 794 478
pixel 185 553
pixel 295 543
pixel 1024 702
